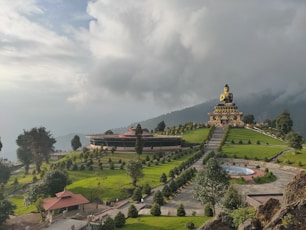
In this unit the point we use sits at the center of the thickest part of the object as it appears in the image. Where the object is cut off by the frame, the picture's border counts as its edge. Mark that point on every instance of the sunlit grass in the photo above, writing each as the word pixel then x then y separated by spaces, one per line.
pixel 110 184
pixel 293 159
pixel 253 152
pixel 196 136
pixel 163 222
pixel 20 208
pixel 244 135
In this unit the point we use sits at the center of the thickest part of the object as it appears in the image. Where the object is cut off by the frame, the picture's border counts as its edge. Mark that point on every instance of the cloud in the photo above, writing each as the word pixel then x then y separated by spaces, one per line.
pixel 112 63
pixel 179 53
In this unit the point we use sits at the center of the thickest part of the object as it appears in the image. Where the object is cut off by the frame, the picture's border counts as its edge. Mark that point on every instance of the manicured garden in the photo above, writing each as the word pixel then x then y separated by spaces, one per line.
pixel 236 135
pixel 196 136
pixel 248 144
pixel 294 159
pixel 252 152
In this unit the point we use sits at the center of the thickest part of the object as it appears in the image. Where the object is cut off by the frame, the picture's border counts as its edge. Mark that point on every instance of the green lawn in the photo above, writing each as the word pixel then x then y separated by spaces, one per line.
pixel 109 184
pixel 163 222
pixel 21 209
pixel 258 152
pixel 294 159
pixel 196 136
pixel 237 134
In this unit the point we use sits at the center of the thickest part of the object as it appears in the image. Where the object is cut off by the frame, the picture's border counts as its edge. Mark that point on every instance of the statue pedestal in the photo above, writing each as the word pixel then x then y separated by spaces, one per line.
pixel 226 114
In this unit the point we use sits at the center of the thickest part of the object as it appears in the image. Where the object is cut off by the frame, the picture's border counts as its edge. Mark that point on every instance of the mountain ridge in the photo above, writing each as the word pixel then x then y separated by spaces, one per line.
pixel 271 105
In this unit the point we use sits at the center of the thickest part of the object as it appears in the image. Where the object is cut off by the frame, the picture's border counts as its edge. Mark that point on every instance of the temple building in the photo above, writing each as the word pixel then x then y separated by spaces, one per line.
pixel 226 112
pixel 126 141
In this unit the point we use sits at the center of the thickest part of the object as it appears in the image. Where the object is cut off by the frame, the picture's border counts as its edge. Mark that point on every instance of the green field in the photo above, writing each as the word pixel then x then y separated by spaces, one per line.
pixel 163 222
pixel 253 152
pixel 294 159
pixel 108 184
pixel 196 136
pixel 248 144
pixel 237 134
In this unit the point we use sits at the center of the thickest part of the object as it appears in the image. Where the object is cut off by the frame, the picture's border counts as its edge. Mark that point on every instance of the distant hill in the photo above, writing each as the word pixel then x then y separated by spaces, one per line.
pixel 262 106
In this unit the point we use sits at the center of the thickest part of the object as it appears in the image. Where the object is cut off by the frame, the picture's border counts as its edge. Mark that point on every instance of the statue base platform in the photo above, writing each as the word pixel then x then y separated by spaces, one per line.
pixel 226 114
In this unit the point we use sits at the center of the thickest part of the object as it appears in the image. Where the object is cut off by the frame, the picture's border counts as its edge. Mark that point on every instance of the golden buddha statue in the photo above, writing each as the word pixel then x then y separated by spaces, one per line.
pixel 226 96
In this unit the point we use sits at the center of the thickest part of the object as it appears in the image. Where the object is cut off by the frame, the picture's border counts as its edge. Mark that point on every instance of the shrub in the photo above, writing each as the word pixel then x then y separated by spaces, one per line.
pixel 249 142
pixel 166 191
pixel 233 142
pixel 119 220
pixel 208 210
pixel 137 194
pixel 171 173
pixel 242 214
pixel 240 142
pixel 258 142
pixel 155 210
pixel 158 197
pixel 82 167
pixel 180 210
pixel 163 178
pixel 111 165
pixel 132 212
pixel 109 224
pixel 146 189
pixel 190 226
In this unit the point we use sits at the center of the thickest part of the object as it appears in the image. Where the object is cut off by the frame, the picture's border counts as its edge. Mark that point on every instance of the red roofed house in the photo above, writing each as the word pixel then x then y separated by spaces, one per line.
pixel 63 200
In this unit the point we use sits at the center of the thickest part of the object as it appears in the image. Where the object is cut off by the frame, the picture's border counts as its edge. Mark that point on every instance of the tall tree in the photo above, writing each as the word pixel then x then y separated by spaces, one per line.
pixel 24 152
pixel 76 143
pixel 160 127
pixel 284 122
pixel 138 144
pixel 138 130
pixel 134 170
pixel 39 142
pixel 211 183
pixel 295 140
pixel 0 145
pixel 4 172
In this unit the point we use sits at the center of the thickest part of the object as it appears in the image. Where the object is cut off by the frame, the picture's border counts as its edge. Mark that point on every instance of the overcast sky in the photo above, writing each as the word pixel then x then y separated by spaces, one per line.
pixel 88 66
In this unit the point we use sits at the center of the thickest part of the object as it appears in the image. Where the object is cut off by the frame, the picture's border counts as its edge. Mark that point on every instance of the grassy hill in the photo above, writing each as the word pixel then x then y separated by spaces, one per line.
pixel 248 144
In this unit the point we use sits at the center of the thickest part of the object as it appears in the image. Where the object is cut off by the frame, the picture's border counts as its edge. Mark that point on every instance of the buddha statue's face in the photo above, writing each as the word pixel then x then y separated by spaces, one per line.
pixel 226 89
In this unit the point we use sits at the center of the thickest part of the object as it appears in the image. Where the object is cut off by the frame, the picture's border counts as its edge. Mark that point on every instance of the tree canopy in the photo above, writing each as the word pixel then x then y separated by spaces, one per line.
pixel 160 127
pixel 295 140
pixel 76 143
pixel 284 122
pixel 6 209
pixel 0 145
pixel 248 119
pixel 35 146
pixel 134 170
pixel 211 183
pixel 138 144
pixel 53 182
pixel 4 172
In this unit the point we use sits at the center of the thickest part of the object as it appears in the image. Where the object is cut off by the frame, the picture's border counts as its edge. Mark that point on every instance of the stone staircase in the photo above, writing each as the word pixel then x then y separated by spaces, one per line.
pixel 216 139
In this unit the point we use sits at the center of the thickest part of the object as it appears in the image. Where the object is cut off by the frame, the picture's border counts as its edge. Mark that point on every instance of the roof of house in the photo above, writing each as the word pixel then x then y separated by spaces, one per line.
pixel 63 200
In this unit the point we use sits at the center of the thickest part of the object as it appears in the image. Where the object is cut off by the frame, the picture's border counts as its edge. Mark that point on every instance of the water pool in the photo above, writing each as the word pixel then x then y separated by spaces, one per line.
pixel 237 171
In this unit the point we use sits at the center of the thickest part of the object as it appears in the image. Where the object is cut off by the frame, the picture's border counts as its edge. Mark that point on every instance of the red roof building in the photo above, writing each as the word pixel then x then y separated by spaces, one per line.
pixel 64 199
